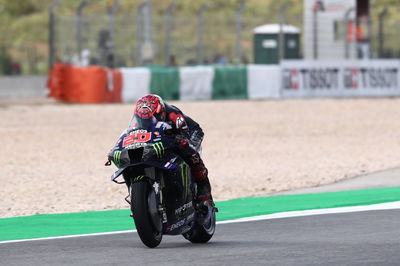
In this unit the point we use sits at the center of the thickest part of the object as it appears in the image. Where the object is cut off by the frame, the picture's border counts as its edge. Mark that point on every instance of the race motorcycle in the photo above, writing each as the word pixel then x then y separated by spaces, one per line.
pixel 162 192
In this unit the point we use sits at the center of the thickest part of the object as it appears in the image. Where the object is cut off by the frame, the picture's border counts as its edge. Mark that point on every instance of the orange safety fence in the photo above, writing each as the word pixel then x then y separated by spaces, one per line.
pixel 93 84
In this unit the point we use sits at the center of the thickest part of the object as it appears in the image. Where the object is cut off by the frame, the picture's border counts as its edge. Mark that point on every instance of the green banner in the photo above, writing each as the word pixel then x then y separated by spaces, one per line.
pixel 165 82
pixel 230 82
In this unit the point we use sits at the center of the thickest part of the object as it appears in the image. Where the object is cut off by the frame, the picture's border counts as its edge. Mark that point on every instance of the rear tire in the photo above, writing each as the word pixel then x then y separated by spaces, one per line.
pixel 202 233
pixel 145 227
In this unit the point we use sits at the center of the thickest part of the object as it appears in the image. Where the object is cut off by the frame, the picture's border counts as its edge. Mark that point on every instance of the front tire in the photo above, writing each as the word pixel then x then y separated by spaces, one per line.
pixel 146 229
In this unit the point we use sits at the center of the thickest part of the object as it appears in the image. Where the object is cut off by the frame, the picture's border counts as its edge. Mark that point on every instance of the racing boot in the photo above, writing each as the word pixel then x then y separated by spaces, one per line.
pixel 204 205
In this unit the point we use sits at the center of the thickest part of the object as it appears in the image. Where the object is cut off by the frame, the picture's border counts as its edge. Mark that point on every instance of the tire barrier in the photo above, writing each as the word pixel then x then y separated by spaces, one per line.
pixel 290 79
pixel 92 84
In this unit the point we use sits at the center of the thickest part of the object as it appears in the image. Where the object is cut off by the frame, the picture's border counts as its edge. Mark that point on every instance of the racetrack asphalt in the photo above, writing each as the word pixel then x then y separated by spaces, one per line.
pixel 359 238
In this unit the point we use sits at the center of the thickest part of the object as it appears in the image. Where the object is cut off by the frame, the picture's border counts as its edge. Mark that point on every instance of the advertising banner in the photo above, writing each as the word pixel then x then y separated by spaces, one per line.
pixel 340 78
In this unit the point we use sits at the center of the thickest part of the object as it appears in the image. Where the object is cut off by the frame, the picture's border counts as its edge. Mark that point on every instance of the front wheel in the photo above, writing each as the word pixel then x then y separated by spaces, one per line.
pixel 146 224
pixel 202 233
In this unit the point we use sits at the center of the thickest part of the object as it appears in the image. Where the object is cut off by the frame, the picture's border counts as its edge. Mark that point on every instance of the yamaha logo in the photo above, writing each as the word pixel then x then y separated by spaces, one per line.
pixel 179 122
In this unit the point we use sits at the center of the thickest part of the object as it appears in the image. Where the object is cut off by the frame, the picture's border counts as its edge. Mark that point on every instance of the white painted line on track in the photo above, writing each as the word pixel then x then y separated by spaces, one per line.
pixel 68 236
pixel 373 207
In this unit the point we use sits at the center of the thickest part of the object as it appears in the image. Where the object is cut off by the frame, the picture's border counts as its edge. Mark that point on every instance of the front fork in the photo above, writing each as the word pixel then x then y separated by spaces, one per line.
pixel 157 185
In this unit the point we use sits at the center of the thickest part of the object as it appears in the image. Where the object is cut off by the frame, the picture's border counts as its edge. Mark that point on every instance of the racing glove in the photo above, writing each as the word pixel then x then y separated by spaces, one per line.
pixel 196 138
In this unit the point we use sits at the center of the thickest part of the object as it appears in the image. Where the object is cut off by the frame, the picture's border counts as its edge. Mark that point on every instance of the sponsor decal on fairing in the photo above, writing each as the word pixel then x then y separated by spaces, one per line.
pixel 183 208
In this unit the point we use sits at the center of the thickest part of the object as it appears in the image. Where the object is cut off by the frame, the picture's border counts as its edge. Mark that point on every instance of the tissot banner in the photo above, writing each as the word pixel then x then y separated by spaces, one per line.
pixel 340 78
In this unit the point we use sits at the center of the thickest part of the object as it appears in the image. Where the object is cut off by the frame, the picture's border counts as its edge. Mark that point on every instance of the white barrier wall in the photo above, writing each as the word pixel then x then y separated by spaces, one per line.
pixel 135 83
pixel 290 79
pixel 340 78
pixel 263 81
pixel 196 82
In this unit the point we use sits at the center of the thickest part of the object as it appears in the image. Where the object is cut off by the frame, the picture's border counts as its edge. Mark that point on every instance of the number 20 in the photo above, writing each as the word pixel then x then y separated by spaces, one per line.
pixel 138 137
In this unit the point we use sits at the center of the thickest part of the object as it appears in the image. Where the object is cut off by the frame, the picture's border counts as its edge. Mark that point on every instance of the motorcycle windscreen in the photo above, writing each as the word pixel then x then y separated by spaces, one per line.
pixel 137 122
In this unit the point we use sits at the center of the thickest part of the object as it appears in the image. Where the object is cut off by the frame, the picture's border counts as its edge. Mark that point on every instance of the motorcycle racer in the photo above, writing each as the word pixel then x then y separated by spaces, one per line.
pixel 188 137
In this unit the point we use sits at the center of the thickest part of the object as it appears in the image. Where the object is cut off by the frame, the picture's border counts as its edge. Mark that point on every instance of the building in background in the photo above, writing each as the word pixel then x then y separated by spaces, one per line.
pixel 336 29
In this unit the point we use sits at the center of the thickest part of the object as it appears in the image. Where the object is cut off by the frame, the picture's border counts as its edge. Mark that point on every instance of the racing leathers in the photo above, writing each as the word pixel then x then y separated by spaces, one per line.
pixel 189 136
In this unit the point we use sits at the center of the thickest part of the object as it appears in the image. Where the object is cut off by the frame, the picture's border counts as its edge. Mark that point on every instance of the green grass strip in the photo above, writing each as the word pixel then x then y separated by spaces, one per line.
pixel 47 225
pixel 246 207
pixel 37 226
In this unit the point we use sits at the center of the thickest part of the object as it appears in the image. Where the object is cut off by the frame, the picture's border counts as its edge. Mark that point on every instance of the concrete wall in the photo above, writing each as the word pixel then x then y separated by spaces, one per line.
pixel 13 87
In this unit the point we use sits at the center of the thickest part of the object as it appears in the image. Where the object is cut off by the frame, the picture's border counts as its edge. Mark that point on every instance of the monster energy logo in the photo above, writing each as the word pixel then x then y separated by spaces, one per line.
pixel 185 178
pixel 159 148
pixel 117 158
pixel 139 177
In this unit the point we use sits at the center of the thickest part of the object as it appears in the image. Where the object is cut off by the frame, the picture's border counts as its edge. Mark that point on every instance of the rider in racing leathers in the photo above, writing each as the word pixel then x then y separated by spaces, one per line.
pixel 189 136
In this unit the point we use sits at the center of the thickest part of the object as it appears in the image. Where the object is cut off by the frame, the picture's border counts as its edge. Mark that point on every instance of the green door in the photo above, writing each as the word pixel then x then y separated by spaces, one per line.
pixel 292 46
pixel 266 49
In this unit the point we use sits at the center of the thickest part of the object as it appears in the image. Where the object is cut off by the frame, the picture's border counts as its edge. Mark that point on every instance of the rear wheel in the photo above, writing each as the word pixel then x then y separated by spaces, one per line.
pixel 147 222
pixel 202 233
